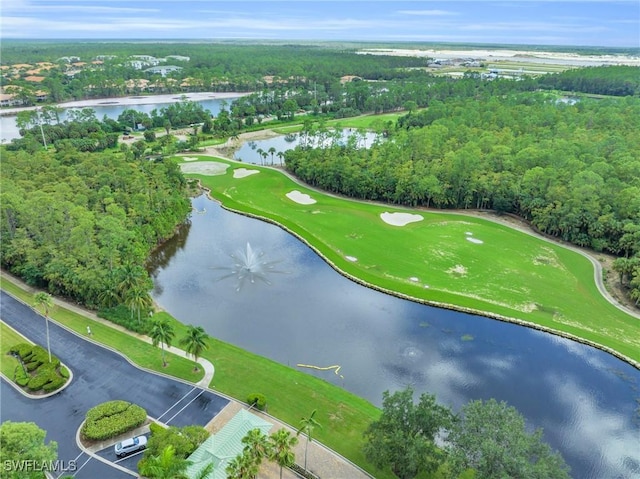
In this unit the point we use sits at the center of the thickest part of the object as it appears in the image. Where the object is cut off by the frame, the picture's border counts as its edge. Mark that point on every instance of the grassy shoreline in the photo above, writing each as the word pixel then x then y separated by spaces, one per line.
pixel 525 280
pixel 290 394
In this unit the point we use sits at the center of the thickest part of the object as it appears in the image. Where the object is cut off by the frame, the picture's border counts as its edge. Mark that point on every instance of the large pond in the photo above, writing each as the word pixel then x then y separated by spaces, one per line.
pixel 250 151
pixel 9 129
pixel 297 310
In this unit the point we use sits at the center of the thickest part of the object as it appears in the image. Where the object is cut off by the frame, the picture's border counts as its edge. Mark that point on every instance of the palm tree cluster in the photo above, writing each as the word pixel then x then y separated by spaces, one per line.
pixel 277 447
pixel 195 340
pixel 130 285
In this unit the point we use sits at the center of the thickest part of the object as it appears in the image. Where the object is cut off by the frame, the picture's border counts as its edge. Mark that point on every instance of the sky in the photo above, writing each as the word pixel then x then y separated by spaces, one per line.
pixel 611 23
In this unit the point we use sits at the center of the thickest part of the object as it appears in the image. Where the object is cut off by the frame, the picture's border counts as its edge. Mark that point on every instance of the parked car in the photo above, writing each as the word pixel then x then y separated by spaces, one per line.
pixel 129 446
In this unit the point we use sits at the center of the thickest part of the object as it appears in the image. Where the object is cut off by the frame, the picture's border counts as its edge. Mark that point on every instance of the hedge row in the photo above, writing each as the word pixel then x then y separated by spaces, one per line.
pixel 112 418
pixel 121 315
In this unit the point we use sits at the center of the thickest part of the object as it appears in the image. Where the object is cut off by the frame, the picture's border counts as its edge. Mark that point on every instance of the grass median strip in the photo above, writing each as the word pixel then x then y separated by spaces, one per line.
pixel 8 338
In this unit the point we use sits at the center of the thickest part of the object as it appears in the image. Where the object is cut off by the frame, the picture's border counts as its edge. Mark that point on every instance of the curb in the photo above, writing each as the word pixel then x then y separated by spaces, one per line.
pixel 19 388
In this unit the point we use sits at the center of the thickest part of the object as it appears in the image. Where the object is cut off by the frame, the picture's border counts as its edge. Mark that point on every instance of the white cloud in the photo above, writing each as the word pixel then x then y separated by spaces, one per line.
pixel 427 13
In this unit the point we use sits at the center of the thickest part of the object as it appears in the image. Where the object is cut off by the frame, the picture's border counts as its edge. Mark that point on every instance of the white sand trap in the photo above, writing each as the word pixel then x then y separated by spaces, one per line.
pixel 469 233
pixel 189 158
pixel 351 258
pixel 414 279
pixel 243 172
pixel 207 168
pixel 301 198
pixel 474 240
pixel 400 219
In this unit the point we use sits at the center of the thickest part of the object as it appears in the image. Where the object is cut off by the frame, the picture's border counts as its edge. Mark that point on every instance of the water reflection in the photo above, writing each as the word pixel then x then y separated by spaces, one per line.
pixel 9 129
pixel 268 151
pixel 583 398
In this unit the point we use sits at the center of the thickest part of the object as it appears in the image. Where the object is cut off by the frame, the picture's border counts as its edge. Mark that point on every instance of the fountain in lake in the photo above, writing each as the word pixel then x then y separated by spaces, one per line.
pixel 249 265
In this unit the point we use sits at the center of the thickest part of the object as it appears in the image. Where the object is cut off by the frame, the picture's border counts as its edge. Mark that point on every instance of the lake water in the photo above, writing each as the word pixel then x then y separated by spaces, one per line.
pixel 9 130
pixel 249 153
pixel 300 311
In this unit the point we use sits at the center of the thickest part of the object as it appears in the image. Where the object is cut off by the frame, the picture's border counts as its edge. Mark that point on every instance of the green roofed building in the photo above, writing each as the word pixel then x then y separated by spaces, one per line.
pixel 222 447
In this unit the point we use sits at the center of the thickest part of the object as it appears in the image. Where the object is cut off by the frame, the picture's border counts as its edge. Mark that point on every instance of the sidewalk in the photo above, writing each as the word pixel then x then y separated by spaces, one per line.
pixel 322 461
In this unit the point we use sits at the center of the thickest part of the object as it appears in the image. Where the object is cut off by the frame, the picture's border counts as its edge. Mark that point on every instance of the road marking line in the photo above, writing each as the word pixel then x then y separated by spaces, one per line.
pixel 175 404
pixel 185 407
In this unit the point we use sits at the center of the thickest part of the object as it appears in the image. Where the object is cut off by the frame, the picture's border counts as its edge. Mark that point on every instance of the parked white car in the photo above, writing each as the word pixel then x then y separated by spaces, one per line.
pixel 129 446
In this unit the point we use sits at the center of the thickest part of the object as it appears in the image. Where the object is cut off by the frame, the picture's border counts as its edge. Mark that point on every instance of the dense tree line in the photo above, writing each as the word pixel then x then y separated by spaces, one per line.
pixel 573 171
pixel 614 80
pixel 82 225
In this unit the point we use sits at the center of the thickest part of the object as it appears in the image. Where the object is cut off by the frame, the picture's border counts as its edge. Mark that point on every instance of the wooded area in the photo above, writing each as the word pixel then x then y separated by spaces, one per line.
pixel 83 224
pixel 570 166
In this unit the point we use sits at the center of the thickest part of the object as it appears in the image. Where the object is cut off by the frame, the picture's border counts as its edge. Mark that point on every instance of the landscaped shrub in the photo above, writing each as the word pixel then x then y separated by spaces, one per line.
pixel 112 418
pixel 257 400
pixel 20 377
pixel 21 349
pixel 43 377
pixel 107 409
pixel 121 315
pixel 56 383
pixel 40 374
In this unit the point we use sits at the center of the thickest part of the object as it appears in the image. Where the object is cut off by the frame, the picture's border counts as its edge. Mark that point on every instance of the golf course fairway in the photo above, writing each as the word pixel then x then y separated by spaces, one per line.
pixel 437 258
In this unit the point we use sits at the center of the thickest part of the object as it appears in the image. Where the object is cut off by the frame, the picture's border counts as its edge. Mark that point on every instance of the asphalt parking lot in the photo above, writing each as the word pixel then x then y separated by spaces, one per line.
pixel 99 375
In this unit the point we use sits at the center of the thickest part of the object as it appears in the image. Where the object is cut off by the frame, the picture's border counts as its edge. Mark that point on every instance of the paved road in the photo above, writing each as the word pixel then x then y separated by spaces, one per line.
pixel 99 375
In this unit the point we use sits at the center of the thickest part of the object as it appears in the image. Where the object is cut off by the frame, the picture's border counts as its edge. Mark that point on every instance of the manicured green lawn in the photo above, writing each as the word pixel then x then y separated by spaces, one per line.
pixel 445 258
pixel 291 395
pixel 363 121
pixel 8 338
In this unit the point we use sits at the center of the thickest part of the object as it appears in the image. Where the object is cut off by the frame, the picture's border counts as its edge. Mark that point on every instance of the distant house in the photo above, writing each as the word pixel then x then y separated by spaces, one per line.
pixel 34 79
pixel 349 78
pixel 163 70
pixel 179 58
pixel 69 59
pixel 9 99
pixel 136 85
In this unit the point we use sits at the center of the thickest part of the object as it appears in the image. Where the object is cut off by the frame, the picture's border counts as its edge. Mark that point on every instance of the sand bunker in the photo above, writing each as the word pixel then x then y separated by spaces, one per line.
pixel 189 158
pixel 351 258
pixel 243 172
pixel 400 219
pixel 458 269
pixel 474 240
pixel 207 168
pixel 302 198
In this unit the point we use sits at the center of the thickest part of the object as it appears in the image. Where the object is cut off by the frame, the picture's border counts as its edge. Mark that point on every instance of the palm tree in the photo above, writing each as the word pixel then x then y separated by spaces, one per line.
pixel 241 467
pixel 137 298
pixel 162 333
pixel 256 445
pixel 272 152
pixel 281 451
pixel 262 154
pixel 165 466
pixel 44 301
pixel 307 425
pixel 195 342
